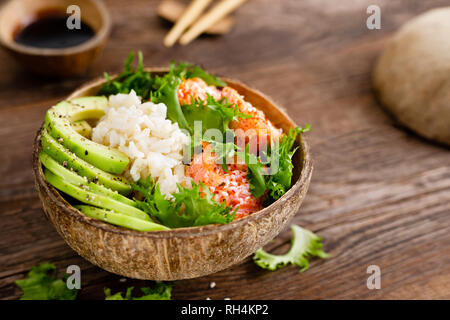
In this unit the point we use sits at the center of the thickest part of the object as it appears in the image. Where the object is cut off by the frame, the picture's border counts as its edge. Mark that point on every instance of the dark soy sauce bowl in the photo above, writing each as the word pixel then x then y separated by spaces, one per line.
pixel 15 15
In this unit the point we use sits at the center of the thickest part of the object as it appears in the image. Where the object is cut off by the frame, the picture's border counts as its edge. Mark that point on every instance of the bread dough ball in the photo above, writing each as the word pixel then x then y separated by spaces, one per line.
pixel 412 76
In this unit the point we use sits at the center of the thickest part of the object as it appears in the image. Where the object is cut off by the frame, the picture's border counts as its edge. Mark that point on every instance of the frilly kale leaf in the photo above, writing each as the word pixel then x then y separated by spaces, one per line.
pixel 161 291
pixel 304 244
pixel 188 208
pixel 43 284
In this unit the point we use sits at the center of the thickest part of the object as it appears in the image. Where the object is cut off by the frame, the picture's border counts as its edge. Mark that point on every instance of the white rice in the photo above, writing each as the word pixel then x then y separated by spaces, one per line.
pixel 153 143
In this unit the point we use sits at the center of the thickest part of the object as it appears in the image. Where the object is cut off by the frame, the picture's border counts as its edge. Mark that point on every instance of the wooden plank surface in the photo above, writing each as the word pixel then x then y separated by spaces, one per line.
pixel 379 195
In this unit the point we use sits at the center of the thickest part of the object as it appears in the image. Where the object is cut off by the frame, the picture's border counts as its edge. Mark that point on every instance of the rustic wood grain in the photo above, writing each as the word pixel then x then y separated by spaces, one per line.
pixel 379 194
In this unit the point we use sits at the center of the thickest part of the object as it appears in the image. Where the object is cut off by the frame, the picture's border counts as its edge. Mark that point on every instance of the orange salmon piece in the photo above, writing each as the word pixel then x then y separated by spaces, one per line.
pixel 196 88
pixel 231 187
pixel 261 127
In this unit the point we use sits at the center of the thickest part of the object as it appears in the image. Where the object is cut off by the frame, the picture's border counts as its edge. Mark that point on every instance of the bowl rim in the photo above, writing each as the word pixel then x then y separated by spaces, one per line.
pixel 186 232
pixel 95 41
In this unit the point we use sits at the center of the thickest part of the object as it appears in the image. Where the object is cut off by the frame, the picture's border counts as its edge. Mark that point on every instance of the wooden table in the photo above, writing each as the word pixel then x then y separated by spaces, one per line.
pixel 379 194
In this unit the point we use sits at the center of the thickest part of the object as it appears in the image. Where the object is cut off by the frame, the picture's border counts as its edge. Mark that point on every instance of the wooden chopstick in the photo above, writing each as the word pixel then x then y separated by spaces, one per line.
pixel 212 16
pixel 193 11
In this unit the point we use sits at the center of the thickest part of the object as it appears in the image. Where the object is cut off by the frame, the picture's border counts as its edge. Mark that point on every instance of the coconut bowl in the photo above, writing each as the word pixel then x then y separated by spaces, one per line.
pixel 178 253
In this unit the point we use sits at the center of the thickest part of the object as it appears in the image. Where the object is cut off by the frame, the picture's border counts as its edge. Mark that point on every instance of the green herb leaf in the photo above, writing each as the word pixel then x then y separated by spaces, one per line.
pixel 137 80
pixel 256 172
pixel 188 208
pixel 213 114
pixel 281 152
pixel 224 152
pixel 304 244
pixel 188 71
pixel 42 284
pixel 161 291
pixel 166 88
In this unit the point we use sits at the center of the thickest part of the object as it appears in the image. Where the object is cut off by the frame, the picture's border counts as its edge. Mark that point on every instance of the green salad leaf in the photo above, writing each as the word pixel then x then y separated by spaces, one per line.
pixel 259 175
pixel 214 114
pixel 137 79
pixel 282 152
pixel 188 208
pixel 42 284
pixel 224 151
pixel 304 244
pixel 256 172
pixel 189 71
pixel 161 291
pixel 166 91
pixel 261 178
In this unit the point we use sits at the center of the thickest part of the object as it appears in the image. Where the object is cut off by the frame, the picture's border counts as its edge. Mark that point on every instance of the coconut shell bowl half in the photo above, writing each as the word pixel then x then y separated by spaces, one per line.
pixel 178 253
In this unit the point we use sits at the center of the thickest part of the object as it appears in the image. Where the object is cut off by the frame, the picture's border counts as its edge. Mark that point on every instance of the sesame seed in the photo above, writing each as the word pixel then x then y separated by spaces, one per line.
pixel 212 285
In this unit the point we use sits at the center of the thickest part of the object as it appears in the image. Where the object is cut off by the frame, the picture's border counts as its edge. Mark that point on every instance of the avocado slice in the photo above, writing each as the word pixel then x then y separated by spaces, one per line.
pixel 75 179
pixel 82 127
pixel 92 198
pixel 58 122
pixel 71 161
pixel 119 219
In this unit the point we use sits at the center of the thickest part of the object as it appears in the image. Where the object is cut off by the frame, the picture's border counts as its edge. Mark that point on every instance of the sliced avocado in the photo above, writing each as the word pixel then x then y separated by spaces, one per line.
pixel 92 198
pixel 58 123
pixel 71 177
pixel 71 161
pixel 82 127
pixel 119 219
pixel 94 102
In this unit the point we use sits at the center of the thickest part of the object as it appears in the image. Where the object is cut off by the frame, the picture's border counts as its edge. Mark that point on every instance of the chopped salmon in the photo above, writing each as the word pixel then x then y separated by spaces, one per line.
pixel 196 88
pixel 230 187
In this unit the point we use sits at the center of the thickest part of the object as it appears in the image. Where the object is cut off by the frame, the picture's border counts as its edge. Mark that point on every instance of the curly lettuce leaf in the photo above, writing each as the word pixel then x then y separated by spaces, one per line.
pixel 188 208
pixel 42 284
pixel 282 152
pixel 161 291
pixel 304 244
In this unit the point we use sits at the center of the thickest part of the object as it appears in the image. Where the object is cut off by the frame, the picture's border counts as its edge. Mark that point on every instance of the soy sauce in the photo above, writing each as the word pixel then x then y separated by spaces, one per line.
pixel 52 32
